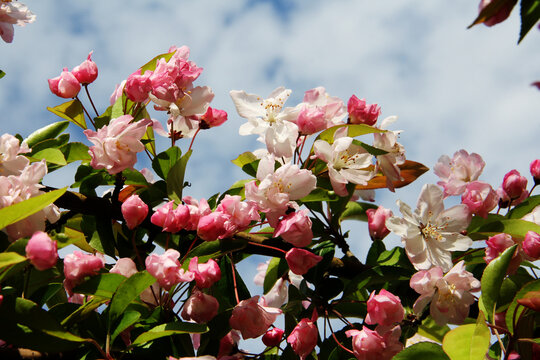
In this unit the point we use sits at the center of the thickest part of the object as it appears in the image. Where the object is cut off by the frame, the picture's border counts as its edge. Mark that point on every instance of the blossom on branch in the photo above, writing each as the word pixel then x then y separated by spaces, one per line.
pixel 13 13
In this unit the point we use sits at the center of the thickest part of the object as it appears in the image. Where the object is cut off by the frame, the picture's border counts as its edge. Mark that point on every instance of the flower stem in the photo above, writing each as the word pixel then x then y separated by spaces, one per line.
pixel 90 98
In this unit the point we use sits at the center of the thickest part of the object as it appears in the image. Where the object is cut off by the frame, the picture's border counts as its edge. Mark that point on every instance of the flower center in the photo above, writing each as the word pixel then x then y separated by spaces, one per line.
pixel 345 160
pixel 431 231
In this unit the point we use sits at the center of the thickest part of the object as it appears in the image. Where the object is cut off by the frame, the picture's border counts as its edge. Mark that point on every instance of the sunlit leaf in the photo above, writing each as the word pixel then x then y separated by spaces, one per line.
pixel 422 350
pixel 168 330
pixel 151 65
pixel 48 132
pixel 10 258
pixel 248 162
pixel 356 211
pixel 72 111
pixel 515 227
pixel 410 171
pixel 353 131
pixel 51 155
pixel 175 178
pixel 163 162
pixel 103 285
pixel 75 151
pixel 468 342
pixel 127 292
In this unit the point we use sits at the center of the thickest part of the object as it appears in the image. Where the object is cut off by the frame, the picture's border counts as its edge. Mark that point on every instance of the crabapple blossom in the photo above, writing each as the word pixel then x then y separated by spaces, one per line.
pixel 303 338
pixel 498 243
pixel 278 294
pixel 388 164
pixel 450 295
pixel 531 245
pixel 167 270
pixel 205 274
pixel 480 198
pixel 295 228
pixel 212 118
pixel 117 93
pixel 170 219
pixel 138 86
pixel 42 251
pixel 212 226
pixel 65 85
pixel 346 161
pixel 11 163
pixel 200 307
pixel 78 265
pixel 362 113
pixel 87 71
pixel 125 267
pixel 300 260
pixel 116 145
pixel 319 111
pixel 273 337
pixel 377 222
pixel 252 317
pixel 502 14
pixel 431 233
pixel 384 309
pixel 134 211
pixel 228 343
pixel 13 13
pixel 371 345
pixel 457 172
pixel 535 171
pixel 197 209
pixel 514 185
pixel 240 213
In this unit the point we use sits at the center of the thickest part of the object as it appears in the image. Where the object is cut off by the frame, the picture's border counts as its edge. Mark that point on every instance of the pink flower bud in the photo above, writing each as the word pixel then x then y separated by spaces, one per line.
pixel 212 226
pixel 362 113
pixel 303 338
pixel 273 337
pixel 500 16
pixel 311 120
pixel 213 117
pixel 228 342
pixel 514 184
pixel 41 250
pixel 79 265
pixel 252 318
pixel 167 270
pixel 295 228
pixel 300 260
pixel 384 309
pixel 480 198
pixel 171 220
pixel 65 86
pixel 138 86
pixel 200 307
pixel 117 93
pixel 535 171
pixel 134 211
pixel 531 245
pixel 125 267
pixel 367 344
pixel 87 72
pixel 205 274
pixel 377 222
pixel 497 244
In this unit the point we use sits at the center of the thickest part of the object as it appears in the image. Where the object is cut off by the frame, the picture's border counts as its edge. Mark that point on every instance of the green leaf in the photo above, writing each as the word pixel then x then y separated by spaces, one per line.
pixel 530 13
pixel 276 268
pixel 248 162
pixel 515 227
pixel 524 208
pixel 128 318
pixel 356 211
pixel 10 258
pixel 175 178
pixel 127 292
pixel 468 342
pixel 149 140
pixel 509 288
pixel 151 65
pixel 422 350
pixel 514 310
pixel 375 250
pixel 103 285
pixel 354 130
pixel 75 151
pixel 318 195
pixel 431 330
pixel 16 212
pixel 48 132
pixel 213 249
pixel 492 279
pixel 84 311
pixel 2 74
pixel 370 149
pixel 72 111
pixel 164 161
pixel 168 330
pixel 51 155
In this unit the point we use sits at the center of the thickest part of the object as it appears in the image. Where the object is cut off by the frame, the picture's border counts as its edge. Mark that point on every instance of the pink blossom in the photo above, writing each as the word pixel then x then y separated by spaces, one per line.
pixel 171 220
pixel 78 265
pixel 278 294
pixel 213 117
pixel 13 13
pixel 311 120
pixel 197 209
pixel 65 86
pixel 200 307
pixel 531 245
pixel 167 270
pixel 319 111
pixel 384 309
pixel 205 274
pixel 252 318
pixel 362 113
pixel 11 163
pixel 240 213
pixel 138 86
pixel 134 211
pixel 514 185
pixel 303 338
pixel 502 14
pixel 300 260
pixel 388 164
pixel 228 342
pixel 117 93
pixel 125 267
pixel 480 198
pixel 295 228
pixel 367 344
pixel 116 145
pixel 377 222
pixel 497 244
pixel 212 226
pixel 450 295
pixel 535 171
pixel 457 172
pixel 273 337
pixel 42 251
pixel 87 71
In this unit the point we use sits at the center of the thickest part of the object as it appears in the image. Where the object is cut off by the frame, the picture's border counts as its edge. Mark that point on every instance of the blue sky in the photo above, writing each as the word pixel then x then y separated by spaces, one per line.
pixel 451 88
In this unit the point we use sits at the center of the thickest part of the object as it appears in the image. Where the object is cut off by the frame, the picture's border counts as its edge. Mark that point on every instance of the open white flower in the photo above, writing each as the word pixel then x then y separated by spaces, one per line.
pixel 388 163
pixel 431 232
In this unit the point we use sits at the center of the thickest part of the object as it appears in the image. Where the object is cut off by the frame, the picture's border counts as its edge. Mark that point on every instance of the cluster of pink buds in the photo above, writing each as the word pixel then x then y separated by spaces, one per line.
pixel 68 84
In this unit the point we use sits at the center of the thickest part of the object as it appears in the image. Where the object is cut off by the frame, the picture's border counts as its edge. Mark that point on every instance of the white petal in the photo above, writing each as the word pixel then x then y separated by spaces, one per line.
pixel 247 105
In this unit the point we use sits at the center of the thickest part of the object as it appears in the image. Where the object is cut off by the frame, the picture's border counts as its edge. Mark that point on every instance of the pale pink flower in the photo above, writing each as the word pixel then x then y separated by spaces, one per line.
pixel 200 307
pixel 431 233
pixel 212 118
pixel 197 209
pixel 457 172
pixel 362 113
pixel 138 86
pixel 167 270
pixel 535 171
pixel 500 16
pixel 134 211
pixel 450 295
pixel 531 245
pixel 205 274
pixel 42 251
pixel 367 344
pixel 241 213
pixel 261 273
pixel 300 260
pixel 273 337
pixel 388 164
pixel 514 185
pixel 319 111
pixel 65 85
pixel 295 228
pixel 384 309
pixel 480 198
pixel 116 145
pixel 79 265
pixel 278 294
pixel 125 267
pixel 170 219
pixel 303 338
pixel 346 161
pixel 377 222
pixel 212 226
pixel 11 163
pixel 13 13
pixel 87 71
pixel 497 244
pixel 252 317
pixel 117 93
pixel 228 342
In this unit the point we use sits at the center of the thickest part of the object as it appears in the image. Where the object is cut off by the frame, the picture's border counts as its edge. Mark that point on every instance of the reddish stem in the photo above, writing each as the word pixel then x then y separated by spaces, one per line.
pixel 267 246
pixel 234 280
pixel 193 139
